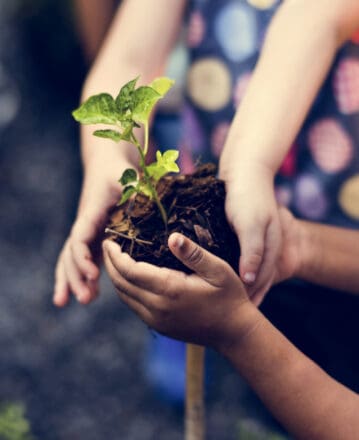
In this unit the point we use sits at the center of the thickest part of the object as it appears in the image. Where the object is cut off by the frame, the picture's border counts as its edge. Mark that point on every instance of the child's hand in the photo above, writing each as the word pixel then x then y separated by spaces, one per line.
pixel 77 268
pixel 208 307
pixel 252 211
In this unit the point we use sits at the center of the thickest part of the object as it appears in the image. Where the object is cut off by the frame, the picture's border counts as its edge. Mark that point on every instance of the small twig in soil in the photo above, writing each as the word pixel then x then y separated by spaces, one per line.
pixel 119 234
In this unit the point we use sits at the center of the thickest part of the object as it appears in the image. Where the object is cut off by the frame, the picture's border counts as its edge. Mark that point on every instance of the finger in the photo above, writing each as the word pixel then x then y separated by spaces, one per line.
pixel 267 270
pixel 93 285
pixel 147 299
pixel 78 251
pixel 147 276
pixel 252 252
pixel 83 259
pixel 137 307
pixel 258 297
pixel 206 265
pixel 61 289
pixel 75 279
pixel 85 229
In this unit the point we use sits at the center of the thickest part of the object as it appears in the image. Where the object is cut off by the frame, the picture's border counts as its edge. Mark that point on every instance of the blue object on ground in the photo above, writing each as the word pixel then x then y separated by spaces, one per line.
pixel 165 362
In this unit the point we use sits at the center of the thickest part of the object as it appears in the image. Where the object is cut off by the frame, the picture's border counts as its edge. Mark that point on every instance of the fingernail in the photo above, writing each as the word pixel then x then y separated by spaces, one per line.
pixel 249 277
pixel 179 241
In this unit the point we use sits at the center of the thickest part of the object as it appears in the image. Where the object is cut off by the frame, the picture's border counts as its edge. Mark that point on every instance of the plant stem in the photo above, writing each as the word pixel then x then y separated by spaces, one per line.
pixel 194 420
pixel 148 178
pixel 145 147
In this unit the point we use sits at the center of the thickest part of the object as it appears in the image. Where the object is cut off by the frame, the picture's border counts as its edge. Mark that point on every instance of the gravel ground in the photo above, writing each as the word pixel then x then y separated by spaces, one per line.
pixel 79 370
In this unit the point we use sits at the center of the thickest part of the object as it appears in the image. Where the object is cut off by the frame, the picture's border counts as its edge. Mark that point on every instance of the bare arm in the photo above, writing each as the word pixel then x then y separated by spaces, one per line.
pixel 301 42
pixel 211 307
pixel 138 43
pixel 329 256
pixel 308 402
pixel 92 21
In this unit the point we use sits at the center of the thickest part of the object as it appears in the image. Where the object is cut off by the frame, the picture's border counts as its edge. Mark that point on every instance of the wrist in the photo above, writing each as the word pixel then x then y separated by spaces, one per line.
pixel 245 170
pixel 243 322
pixel 100 188
pixel 308 250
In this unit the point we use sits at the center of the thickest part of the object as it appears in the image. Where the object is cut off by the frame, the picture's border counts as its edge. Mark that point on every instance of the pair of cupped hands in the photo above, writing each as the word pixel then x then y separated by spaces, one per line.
pixel 197 307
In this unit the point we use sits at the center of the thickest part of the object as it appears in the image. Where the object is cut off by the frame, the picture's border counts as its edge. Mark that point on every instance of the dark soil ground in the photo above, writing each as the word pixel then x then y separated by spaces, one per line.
pixel 79 371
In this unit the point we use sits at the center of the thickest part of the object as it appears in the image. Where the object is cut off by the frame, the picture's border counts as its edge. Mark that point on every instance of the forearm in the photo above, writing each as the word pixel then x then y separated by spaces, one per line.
pixel 92 21
pixel 298 51
pixel 309 403
pixel 137 45
pixel 329 256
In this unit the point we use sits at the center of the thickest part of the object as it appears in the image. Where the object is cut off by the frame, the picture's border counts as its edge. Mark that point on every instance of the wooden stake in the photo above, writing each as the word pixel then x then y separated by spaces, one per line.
pixel 194 417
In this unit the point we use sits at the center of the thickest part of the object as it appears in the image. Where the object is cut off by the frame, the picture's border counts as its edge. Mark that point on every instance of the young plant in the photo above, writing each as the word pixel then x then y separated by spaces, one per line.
pixel 129 110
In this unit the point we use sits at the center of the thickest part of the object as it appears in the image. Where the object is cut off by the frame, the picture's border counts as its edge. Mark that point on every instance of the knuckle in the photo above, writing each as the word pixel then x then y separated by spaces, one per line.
pixel 222 276
pixel 119 283
pixel 168 289
pixel 195 255
pixel 125 270
pixel 163 312
pixel 254 260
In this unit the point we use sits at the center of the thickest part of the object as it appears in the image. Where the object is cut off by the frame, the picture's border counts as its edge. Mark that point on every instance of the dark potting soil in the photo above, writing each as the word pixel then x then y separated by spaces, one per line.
pixel 195 207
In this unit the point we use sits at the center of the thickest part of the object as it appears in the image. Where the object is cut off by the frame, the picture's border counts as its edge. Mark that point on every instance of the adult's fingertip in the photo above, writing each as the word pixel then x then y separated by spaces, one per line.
pixel 249 277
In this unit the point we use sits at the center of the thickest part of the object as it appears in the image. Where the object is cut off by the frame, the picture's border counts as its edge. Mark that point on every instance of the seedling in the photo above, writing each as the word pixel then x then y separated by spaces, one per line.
pixel 132 109
pixel 129 110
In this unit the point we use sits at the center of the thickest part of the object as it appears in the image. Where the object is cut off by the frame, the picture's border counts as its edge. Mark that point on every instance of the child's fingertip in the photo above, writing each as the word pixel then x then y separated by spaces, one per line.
pixel 59 300
pixel 84 298
pixel 93 275
pixel 176 240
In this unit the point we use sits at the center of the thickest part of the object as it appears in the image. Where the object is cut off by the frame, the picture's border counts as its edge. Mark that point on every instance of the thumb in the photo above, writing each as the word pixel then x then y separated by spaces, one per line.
pixel 203 263
pixel 252 252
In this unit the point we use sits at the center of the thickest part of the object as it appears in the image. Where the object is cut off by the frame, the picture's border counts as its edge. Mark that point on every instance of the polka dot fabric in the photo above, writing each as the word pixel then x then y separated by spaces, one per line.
pixel 319 178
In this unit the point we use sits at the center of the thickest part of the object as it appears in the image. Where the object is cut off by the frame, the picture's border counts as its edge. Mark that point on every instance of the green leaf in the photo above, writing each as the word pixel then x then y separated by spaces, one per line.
pixel 13 424
pixel 144 99
pixel 128 191
pixel 124 98
pixel 162 85
pixel 108 134
pixel 165 164
pixel 98 109
pixel 169 159
pixel 128 176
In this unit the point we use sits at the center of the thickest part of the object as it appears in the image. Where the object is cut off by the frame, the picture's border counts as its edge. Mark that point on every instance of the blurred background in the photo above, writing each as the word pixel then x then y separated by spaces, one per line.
pixel 82 372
